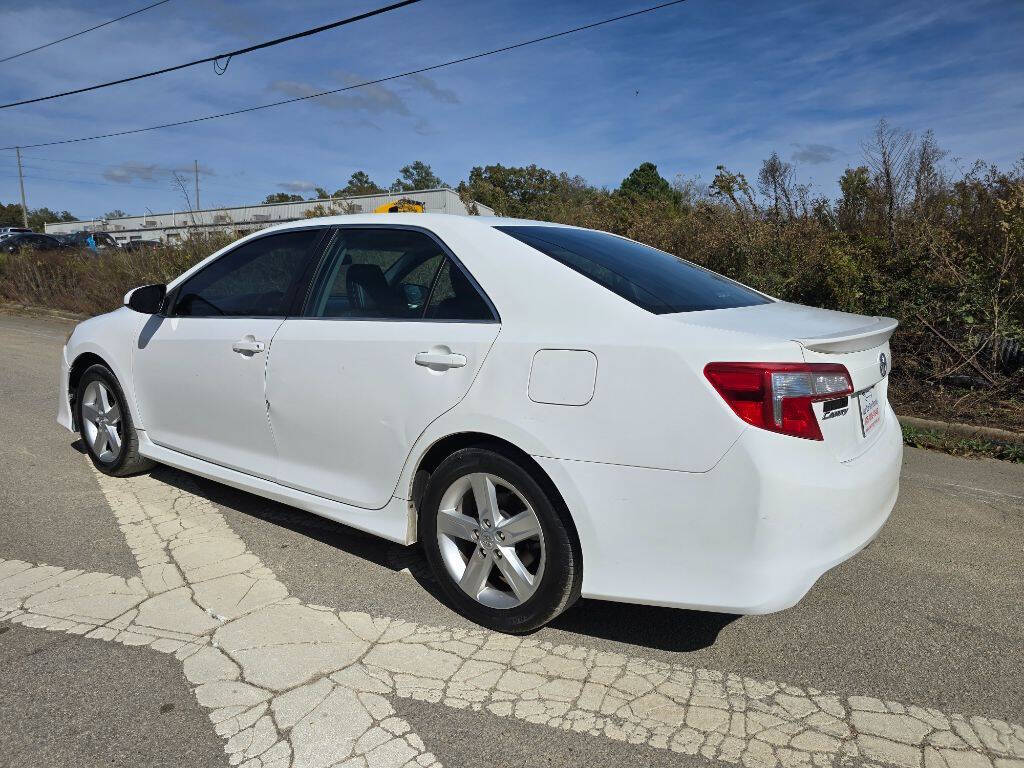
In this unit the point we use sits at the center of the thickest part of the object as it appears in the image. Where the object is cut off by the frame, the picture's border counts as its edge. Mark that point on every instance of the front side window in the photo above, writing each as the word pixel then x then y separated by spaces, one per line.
pixel 258 279
pixel 652 279
pixel 393 274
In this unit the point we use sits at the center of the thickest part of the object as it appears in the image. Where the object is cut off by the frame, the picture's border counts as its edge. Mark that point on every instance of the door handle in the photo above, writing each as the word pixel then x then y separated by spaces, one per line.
pixel 248 346
pixel 440 360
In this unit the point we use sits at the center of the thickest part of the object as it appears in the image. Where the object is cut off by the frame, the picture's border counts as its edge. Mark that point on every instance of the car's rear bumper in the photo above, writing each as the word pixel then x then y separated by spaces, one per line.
pixel 64 417
pixel 751 535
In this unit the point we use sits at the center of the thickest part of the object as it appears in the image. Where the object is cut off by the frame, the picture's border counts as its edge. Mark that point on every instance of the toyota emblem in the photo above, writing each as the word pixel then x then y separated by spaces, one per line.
pixel 883 364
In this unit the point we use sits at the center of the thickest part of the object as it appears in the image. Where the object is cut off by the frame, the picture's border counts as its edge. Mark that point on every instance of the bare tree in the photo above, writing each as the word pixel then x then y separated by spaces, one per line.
pixel 928 177
pixel 180 183
pixel 775 180
pixel 735 188
pixel 890 154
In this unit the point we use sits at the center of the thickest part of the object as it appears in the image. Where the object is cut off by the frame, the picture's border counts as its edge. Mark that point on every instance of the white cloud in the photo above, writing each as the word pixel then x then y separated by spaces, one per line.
pixel 129 171
pixel 297 187
pixel 815 154
pixel 369 99
pixel 429 85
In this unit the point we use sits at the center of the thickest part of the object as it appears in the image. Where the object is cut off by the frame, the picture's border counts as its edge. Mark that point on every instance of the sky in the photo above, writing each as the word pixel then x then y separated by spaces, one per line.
pixel 689 87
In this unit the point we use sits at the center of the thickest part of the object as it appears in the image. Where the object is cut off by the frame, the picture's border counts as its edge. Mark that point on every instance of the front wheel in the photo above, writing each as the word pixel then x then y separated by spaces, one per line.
pixel 106 424
pixel 502 550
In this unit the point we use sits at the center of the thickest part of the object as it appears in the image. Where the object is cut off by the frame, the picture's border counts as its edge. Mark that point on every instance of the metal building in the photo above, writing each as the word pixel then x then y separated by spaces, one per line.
pixel 175 226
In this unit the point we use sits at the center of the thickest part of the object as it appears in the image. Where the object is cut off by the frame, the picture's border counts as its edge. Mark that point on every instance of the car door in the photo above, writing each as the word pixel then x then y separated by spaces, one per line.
pixel 391 337
pixel 200 371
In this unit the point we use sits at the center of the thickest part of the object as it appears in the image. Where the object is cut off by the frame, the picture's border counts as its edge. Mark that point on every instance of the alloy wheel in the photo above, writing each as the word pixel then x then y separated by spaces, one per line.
pixel 102 425
pixel 490 540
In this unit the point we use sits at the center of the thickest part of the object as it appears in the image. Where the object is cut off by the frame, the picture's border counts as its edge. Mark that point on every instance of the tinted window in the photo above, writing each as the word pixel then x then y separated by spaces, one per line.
pixel 258 279
pixel 652 279
pixel 377 273
pixel 456 298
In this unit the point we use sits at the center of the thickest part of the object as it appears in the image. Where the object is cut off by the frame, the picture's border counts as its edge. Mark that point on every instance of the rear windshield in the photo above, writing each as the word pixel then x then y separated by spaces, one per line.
pixel 651 279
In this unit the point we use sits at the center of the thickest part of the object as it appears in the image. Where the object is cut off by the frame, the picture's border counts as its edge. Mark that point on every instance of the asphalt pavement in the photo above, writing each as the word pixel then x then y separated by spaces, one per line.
pixel 924 626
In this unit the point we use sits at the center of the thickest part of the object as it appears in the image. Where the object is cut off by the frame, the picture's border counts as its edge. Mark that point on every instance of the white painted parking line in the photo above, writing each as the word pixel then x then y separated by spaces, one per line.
pixel 293 684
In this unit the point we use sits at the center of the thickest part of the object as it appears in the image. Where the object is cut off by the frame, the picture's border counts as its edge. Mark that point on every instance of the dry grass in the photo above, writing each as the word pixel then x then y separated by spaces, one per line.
pixel 89 283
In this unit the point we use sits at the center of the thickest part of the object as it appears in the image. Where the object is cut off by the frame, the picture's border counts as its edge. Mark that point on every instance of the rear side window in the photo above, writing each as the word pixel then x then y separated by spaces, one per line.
pixel 652 279
pixel 377 273
pixel 258 279
pixel 392 274
pixel 455 298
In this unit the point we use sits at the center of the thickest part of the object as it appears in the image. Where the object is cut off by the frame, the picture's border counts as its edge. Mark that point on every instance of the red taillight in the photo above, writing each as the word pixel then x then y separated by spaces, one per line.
pixel 778 396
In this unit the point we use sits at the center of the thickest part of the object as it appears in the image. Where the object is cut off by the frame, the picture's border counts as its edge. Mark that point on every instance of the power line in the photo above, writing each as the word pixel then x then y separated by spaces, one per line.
pixel 364 84
pixel 226 57
pixel 77 34
pixel 42 159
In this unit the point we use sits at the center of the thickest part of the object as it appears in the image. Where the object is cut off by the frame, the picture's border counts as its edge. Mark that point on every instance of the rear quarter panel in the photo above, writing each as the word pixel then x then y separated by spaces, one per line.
pixel 651 406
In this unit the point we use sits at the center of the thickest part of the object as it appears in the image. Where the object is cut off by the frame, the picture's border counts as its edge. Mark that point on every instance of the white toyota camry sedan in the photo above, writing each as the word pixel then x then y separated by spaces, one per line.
pixel 550 411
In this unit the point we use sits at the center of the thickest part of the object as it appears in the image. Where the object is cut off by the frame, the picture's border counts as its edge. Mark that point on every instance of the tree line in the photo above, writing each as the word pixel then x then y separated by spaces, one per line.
pixel 416 175
pixel 10 216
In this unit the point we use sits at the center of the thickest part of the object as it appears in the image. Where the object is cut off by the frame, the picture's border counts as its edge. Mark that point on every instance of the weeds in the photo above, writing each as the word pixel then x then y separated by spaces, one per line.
pixel 89 283
pixel 962 446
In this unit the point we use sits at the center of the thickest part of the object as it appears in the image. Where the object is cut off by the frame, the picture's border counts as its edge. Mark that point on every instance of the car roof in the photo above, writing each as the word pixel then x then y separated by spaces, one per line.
pixel 492 259
pixel 427 220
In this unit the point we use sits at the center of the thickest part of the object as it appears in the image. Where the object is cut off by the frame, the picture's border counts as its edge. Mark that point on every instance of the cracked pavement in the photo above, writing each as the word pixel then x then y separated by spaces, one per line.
pixel 305 644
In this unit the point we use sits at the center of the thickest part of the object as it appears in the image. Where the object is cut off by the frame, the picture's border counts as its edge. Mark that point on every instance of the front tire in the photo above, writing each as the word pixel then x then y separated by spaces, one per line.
pixel 105 424
pixel 501 548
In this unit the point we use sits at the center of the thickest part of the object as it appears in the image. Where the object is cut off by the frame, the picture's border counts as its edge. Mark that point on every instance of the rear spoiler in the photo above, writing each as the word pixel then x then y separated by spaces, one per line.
pixel 854 340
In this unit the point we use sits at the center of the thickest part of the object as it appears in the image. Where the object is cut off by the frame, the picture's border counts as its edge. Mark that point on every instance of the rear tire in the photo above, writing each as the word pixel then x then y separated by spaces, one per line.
pixel 105 424
pixel 510 564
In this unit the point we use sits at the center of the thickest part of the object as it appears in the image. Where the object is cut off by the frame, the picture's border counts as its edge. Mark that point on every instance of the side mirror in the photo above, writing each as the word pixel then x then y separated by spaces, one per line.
pixel 148 299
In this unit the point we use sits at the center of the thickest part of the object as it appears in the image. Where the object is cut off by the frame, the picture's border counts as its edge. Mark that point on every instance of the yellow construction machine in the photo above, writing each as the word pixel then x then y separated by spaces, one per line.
pixel 402 205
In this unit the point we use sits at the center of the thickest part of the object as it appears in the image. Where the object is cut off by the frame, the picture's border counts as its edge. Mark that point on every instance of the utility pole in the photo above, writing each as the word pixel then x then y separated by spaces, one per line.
pixel 196 166
pixel 21 181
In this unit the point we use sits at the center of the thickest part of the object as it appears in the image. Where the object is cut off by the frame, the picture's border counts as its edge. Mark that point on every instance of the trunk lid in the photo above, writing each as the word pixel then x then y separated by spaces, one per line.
pixel 859 342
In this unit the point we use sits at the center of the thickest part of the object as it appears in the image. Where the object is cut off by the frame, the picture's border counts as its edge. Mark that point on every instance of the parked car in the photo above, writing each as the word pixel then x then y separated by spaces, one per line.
pixel 16 241
pixel 550 411
pixel 140 245
pixel 101 240
pixel 11 230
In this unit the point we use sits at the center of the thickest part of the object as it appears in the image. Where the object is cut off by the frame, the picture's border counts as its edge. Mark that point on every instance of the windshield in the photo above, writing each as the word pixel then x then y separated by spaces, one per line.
pixel 652 279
